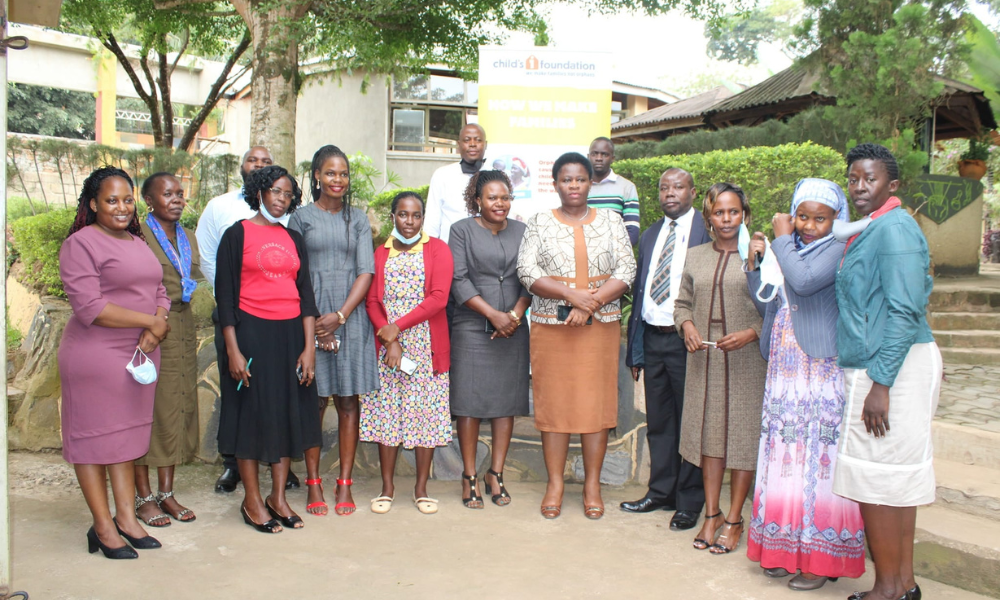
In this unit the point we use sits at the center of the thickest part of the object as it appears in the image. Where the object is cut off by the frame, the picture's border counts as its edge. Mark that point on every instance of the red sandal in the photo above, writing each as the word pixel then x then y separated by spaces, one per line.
pixel 324 505
pixel 350 505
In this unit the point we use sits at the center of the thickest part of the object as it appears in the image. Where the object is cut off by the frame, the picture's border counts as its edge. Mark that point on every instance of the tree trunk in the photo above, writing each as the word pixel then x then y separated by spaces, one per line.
pixel 275 76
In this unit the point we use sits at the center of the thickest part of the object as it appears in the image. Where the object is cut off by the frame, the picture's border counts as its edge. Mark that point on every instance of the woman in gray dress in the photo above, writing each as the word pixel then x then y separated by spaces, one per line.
pixel 489 349
pixel 338 240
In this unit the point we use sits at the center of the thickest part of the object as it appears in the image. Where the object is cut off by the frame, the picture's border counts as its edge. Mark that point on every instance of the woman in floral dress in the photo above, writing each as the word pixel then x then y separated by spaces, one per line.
pixel 798 523
pixel 406 304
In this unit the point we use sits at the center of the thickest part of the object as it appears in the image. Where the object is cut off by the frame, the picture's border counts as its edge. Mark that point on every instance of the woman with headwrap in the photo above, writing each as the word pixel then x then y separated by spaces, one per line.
pixel 798 523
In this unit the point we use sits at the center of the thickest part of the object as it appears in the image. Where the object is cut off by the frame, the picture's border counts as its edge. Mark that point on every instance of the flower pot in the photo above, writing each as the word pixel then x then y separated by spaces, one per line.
pixel 972 169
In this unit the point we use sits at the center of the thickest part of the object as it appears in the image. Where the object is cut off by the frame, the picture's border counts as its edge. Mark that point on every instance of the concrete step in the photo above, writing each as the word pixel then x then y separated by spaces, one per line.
pixel 966 445
pixel 968 338
pixel 968 489
pixel 952 321
pixel 982 301
pixel 971 356
pixel 958 549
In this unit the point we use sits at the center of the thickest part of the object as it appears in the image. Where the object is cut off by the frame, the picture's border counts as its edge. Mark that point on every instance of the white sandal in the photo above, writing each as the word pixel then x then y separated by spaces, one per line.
pixel 381 505
pixel 427 506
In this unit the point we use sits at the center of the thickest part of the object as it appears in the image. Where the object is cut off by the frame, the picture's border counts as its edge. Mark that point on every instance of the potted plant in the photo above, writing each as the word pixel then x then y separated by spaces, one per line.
pixel 972 163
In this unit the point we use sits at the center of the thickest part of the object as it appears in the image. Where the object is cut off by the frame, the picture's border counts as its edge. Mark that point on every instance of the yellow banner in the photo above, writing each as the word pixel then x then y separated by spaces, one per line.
pixel 543 116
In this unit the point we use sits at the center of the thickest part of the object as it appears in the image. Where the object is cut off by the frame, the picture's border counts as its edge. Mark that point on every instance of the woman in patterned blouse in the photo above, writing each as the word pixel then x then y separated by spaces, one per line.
pixel 577 262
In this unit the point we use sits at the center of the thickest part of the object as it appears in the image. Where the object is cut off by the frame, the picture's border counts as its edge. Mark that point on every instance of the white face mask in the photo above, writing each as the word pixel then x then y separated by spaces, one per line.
pixel 145 371
pixel 770 274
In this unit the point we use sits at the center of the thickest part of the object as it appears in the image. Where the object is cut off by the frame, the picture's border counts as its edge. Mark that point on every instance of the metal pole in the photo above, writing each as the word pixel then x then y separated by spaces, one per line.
pixel 5 556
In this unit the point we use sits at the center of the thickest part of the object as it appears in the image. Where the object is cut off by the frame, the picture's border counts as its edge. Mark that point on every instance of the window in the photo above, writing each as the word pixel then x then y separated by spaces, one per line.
pixel 429 111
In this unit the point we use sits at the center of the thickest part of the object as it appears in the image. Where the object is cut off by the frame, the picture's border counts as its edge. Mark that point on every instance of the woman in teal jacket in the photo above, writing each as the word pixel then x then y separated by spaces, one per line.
pixel 892 370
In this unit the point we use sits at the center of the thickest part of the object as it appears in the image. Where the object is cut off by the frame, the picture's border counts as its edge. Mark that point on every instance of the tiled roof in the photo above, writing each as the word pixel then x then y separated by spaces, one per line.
pixel 689 107
pixel 793 82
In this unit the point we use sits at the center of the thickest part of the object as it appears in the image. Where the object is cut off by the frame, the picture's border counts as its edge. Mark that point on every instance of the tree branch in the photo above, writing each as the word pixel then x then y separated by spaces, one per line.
pixel 168 106
pixel 187 38
pixel 151 99
pixel 222 83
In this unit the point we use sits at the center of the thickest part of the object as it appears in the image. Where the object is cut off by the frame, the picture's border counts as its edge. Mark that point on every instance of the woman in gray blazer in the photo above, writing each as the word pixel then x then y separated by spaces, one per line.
pixel 794 508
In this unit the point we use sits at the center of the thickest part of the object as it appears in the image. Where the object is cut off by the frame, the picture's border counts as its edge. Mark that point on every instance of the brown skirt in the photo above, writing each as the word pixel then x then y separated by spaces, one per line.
pixel 574 373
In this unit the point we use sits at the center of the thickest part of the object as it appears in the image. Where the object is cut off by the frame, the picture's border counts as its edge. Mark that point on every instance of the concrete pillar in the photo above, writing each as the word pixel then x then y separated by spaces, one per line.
pixel 636 105
pixel 107 92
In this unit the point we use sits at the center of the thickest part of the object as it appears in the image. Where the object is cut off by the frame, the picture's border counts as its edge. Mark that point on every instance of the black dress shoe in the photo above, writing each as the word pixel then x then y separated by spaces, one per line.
pixel 914 593
pixel 645 505
pixel 293 481
pixel 684 519
pixel 144 543
pixel 226 483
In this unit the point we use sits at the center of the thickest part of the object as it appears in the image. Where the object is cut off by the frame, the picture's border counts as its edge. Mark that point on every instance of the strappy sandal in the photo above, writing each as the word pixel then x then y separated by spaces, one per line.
pixel 503 498
pixel 320 504
pixel 292 521
pixel 473 500
pixel 425 505
pixel 139 501
pixel 344 505
pixel 718 548
pixel 161 496
pixel 700 544
pixel 381 505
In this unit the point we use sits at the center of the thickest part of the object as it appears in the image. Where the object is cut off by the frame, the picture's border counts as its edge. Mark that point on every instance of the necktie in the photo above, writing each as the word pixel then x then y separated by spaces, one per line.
pixel 660 289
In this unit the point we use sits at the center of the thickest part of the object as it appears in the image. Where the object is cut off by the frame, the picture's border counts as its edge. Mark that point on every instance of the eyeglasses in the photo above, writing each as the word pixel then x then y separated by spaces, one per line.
pixel 280 192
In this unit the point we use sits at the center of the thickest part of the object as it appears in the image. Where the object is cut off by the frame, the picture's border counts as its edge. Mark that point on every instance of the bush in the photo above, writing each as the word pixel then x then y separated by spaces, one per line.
pixel 767 174
pixel 382 203
pixel 19 207
pixel 807 126
pixel 38 240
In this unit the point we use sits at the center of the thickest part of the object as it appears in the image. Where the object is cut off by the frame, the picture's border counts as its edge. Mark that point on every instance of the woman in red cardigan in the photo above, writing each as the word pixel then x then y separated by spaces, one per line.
pixel 406 304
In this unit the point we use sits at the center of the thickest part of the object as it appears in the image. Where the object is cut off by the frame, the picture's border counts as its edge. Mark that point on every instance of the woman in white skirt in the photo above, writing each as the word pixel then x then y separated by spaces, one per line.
pixel 892 370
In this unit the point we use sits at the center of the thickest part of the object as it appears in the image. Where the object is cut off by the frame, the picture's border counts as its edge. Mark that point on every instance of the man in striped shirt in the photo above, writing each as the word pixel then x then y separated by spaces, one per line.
pixel 610 190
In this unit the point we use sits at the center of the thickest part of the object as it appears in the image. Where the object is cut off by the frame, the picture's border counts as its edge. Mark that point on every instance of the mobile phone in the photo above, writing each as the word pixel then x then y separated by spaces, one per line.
pixel 407 366
pixel 562 313
pixel 489 327
pixel 336 344
pixel 298 372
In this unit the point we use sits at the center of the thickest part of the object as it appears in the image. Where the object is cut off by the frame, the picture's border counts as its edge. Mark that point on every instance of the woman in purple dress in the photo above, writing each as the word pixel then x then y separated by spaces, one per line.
pixel 114 285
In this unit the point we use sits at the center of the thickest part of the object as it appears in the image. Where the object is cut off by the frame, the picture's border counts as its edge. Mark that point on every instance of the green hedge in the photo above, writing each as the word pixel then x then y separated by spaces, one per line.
pixel 38 240
pixel 767 174
pixel 380 206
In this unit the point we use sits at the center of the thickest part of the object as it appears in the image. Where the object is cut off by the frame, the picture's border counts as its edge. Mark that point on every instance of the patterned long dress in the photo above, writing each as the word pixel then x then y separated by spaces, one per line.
pixel 797 522
pixel 411 410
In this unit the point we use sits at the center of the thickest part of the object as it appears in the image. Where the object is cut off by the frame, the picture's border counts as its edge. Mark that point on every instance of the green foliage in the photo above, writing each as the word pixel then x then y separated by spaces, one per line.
pixel 737 37
pixel 879 59
pixel 767 174
pixel 364 176
pixel 984 61
pixel 19 207
pixel 38 240
pixel 380 205
pixel 49 111
pixel 14 337
pixel 807 126
pixel 979 147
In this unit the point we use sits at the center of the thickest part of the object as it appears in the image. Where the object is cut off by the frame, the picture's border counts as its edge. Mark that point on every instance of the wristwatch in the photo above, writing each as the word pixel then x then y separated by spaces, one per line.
pixel 516 318
pixel 343 319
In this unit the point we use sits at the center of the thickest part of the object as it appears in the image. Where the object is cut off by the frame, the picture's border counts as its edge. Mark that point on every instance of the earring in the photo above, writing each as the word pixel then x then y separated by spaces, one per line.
pixel 317 184
pixel 479 208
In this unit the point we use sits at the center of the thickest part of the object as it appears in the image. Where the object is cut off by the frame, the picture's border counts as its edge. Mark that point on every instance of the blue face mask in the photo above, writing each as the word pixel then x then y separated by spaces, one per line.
pixel 407 241
pixel 743 243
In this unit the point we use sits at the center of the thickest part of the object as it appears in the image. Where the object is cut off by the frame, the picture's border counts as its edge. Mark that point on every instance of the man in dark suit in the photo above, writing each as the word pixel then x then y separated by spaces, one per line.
pixel 654 345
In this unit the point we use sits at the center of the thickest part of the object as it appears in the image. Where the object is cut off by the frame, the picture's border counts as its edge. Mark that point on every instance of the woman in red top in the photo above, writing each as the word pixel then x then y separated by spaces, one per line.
pixel 406 304
pixel 268 316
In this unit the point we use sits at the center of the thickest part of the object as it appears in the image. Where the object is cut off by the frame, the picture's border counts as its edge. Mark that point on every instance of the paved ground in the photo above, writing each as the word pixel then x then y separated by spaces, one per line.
pixel 458 553
pixel 970 396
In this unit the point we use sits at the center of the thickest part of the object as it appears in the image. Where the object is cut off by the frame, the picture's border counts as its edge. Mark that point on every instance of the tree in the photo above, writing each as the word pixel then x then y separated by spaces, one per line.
pixel 385 37
pixel 201 27
pixel 50 111
pixel 738 37
pixel 880 60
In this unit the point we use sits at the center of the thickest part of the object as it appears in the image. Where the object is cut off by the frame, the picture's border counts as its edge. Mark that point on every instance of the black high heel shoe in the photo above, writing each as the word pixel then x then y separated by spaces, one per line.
pixel 146 543
pixel 268 527
pixel 914 593
pixel 473 500
pixel 290 522
pixel 94 542
pixel 503 498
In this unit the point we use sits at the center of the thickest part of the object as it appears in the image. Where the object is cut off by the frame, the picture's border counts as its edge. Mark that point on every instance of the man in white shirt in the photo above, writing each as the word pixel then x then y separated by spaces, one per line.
pixel 445 198
pixel 219 215
pixel 653 345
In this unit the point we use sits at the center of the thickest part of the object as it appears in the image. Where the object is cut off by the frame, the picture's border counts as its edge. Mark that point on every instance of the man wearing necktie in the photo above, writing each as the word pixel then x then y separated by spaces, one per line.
pixel 655 345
